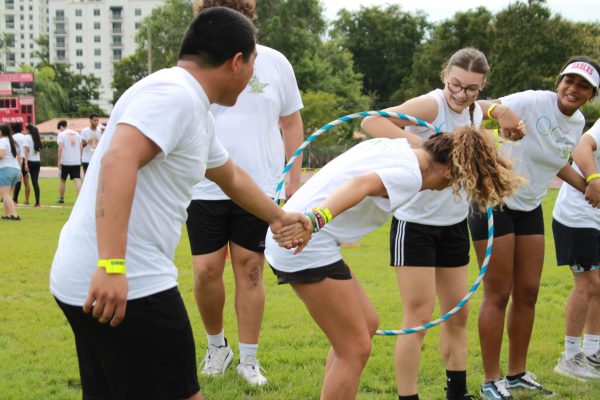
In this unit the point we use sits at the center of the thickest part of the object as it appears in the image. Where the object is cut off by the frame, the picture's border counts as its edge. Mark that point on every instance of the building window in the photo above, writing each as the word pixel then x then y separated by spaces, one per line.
pixel 10 21
pixel 97 52
pixel 10 4
pixel 97 65
pixel 96 25
pixel 22 55
pixel 79 26
pixel 79 52
pixel 79 66
pixel 30 7
pixel 117 54
pixel 31 45
pixel 60 13
pixel 78 12
pixel 137 25
pixel 116 40
pixel 60 55
pixel 116 27
pixel 78 39
pixel 31 17
pixel 97 39
pixel 97 12
pixel 60 42
pixel 60 27
pixel 138 12
pixel 22 17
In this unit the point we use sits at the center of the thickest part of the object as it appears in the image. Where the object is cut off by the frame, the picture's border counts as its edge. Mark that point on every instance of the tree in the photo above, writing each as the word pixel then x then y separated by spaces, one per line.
pixel 382 43
pixel 465 29
pixel 7 40
pixel 529 46
pixel 128 71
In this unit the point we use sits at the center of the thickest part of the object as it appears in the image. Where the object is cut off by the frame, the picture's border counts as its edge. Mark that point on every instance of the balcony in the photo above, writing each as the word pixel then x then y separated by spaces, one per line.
pixel 116 45
pixel 116 31
pixel 59 18
pixel 60 32
pixel 116 17
pixel 61 45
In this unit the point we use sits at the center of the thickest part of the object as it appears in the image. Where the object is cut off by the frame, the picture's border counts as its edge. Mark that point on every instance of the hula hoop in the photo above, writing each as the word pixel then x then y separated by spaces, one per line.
pixel 490 215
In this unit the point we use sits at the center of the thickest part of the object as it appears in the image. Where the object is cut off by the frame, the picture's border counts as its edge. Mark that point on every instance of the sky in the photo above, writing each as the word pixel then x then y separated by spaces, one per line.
pixel 438 10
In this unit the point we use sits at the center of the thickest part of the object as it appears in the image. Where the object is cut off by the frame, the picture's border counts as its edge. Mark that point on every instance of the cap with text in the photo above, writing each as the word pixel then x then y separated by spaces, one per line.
pixel 585 70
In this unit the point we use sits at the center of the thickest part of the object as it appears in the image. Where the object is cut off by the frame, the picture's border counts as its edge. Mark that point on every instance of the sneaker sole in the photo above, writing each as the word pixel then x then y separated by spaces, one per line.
pixel 228 362
pixel 569 375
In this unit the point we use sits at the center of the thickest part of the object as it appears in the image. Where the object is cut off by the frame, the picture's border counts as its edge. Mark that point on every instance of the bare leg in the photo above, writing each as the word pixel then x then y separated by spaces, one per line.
pixel 592 321
pixel 9 205
pixel 417 290
pixel 578 303
pixel 497 286
pixel 529 260
pixel 451 284
pixel 339 308
pixel 209 289
pixel 61 189
pixel 249 292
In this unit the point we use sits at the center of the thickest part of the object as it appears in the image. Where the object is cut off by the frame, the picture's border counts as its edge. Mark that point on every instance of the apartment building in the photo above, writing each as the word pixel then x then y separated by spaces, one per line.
pixel 21 23
pixel 91 35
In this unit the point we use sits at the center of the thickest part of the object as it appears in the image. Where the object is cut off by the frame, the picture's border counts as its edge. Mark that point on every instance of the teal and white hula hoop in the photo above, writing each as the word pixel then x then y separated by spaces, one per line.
pixel 490 215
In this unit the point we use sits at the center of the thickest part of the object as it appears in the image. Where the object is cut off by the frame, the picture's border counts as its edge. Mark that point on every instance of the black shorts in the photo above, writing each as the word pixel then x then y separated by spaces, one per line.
pixel 150 355
pixel 413 244
pixel 506 221
pixel 73 171
pixel 85 166
pixel 211 224
pixel 338 271
pixel 576 246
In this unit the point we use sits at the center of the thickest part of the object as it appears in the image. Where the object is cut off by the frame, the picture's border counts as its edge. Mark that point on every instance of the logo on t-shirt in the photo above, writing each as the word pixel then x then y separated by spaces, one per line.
pixel 256 86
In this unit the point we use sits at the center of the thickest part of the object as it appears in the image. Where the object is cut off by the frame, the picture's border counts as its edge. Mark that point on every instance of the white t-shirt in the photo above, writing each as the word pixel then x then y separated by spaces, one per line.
pixel 439 208
pixel 397 165
pixel 8 161
pixel 28 142
pixel 92 137
pixel 71 147
pixel 571 208
pixel 250 129
pixel 171 109
pixel 18 138
pixel 551 136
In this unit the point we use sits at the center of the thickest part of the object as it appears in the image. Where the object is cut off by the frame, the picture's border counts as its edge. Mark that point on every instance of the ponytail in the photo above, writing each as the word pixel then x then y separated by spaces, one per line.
pixel 35 135
pixel 476 166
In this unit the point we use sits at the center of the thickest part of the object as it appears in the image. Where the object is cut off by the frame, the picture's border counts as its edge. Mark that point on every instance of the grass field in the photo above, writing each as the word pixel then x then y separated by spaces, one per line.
pixel 37 352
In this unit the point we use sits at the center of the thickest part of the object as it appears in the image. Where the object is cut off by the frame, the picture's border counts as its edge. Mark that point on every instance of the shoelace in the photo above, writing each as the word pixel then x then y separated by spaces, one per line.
pixel 210 354
pixel 254 365
pixel 501 388
pixel 531 378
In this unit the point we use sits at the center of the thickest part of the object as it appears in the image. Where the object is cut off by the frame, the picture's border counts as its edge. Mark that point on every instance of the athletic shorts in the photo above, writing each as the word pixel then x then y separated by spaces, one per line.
pixel 72 171
pixel 85 166
pixel 9 176
pixel 211 224
pixel 338 271
pixel 506 221
pixel 419 245
pixel 579 247
pixel 151 355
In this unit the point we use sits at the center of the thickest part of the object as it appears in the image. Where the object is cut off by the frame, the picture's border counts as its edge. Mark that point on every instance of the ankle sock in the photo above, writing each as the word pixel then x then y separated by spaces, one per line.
pixel 457 383
pixel 247 349
pixel 591 344
pixel 217 340
pixel 572 346
pixel 513 377
pixel 411 397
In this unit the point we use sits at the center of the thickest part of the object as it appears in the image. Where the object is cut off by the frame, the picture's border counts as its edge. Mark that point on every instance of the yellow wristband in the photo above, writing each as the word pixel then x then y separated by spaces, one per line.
pixel 325 213
pixel 592 177
pixel 489 111
pixel 113 266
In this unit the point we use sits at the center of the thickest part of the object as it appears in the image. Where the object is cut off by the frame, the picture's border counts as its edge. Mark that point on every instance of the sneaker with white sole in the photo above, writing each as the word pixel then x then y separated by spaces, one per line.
pixel 249 368
pixel 528 382
pixel 594 360
pixel 495 390
pixel 578 367
pixel 217 359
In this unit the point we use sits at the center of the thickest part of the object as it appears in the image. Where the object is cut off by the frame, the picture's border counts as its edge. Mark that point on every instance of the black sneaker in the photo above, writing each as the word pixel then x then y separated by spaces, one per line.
pixel 451 396
pixel 61 201
pixel 528 382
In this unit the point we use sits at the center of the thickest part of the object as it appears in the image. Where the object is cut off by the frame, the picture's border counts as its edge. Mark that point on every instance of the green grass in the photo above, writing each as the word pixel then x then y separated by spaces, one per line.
pixel 37 352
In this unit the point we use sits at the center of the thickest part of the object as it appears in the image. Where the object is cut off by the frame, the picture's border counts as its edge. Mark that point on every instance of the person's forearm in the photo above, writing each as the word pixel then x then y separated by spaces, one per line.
pixel 352 192
pixel 114 198
pixel 569 175
pixel 583 156
pixel 240 187
pixel 383 127
pixel 59 155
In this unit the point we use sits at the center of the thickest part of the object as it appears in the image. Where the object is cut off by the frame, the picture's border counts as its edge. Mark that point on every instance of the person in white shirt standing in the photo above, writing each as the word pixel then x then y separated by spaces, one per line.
pixel 90 137
pixel 267 110
pixel 10 172
pixel 115 253
pixel 576 228
pixel 555 125
pixel 69 158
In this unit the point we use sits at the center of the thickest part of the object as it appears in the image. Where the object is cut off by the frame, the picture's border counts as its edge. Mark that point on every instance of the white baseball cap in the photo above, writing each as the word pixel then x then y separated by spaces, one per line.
pixel 585 70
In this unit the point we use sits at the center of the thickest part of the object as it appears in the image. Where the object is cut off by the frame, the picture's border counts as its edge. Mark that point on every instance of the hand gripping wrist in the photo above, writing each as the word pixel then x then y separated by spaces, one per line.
pixel 113 266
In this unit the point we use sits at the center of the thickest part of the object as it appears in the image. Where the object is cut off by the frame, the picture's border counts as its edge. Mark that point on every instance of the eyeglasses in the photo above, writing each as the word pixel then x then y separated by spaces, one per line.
pixel 455 88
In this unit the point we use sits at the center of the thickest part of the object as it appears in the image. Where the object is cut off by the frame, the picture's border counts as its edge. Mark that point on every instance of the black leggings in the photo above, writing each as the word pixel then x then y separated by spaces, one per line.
pixel 34 172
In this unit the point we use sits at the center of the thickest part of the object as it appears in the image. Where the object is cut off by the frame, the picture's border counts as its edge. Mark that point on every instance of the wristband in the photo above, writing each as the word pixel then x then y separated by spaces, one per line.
pixel 325 213
pixel 592 177
pixel 489 111
pixel 113 266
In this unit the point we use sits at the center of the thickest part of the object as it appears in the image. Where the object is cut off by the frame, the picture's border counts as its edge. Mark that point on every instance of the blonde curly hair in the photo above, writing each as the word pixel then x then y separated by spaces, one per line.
pixel 475 165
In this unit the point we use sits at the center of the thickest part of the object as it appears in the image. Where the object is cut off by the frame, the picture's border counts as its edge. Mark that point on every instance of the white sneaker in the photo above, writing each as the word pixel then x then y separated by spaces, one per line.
pixel 217 359
pixel 249 369
pixel 594 360
pixel 577 367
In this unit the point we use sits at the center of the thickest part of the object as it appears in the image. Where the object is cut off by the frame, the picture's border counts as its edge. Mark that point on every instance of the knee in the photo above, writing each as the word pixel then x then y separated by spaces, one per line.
pixel 526 297
pixel 459 320
pixel 363 351
pixel 497 299
pixel 207 273
pixel 592 287
pixel 418 313
pixel 372 324
pixel 249 274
